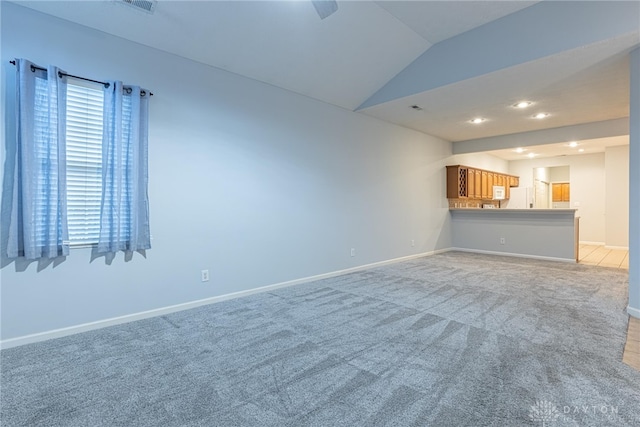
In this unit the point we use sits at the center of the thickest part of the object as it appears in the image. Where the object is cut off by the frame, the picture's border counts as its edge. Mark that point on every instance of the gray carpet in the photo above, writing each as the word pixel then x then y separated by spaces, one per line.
pixel 449 340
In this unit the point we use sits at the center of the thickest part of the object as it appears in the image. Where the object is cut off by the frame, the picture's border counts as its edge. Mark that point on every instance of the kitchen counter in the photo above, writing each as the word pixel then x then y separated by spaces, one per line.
pixel 534 233
pixel 517 211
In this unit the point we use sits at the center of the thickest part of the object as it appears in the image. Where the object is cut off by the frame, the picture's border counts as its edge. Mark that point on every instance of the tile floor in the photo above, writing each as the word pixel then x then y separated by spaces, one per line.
pixel 599 255
pixel 631 355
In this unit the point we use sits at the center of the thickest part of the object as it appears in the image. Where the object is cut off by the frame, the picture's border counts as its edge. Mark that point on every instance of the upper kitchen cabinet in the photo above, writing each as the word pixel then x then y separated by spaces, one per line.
pixel 465 182
pixel 560 192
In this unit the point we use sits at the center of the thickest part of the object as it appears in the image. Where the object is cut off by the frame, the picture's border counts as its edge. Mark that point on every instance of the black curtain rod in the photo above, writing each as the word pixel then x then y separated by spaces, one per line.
pixel 60 74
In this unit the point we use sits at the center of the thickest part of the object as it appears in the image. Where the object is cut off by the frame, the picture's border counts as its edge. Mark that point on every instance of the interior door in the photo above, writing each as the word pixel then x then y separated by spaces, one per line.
pixel 541 194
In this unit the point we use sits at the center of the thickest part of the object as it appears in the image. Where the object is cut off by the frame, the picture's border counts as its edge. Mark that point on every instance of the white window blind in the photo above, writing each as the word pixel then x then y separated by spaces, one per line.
pixel 84 162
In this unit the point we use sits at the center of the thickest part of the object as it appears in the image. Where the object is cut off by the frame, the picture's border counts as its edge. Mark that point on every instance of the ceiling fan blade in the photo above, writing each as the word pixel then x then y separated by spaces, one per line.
pixel 325 7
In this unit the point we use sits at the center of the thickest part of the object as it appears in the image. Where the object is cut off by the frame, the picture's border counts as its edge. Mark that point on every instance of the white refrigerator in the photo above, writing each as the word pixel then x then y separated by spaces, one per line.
pixel 519 198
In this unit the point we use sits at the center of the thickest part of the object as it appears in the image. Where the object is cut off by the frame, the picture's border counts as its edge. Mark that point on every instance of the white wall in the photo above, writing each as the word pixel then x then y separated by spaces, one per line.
pixel 256 184
pixel 559 174
pixel 541 174
pixel 587 173
pixel 480 161
pixel 616 161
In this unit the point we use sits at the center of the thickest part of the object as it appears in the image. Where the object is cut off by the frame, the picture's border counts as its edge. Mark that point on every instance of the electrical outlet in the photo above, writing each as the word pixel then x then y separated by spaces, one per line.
pixel 413 242
pixel 502 241
pixel 204 275
pixel 353 251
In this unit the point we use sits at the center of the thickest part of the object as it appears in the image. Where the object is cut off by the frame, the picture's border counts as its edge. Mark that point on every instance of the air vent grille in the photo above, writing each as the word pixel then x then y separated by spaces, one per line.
pixel 144 5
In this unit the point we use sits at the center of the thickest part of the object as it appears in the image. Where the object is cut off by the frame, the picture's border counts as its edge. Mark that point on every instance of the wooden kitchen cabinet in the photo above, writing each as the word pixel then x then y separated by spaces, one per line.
pixel 566 192
pixel 457 187
pixel 464 182
pixel 491 176
pixel 503 181
pixel 471 183
pixel 560 192
pixel 474 183
pixel 556 192
pixel 484 193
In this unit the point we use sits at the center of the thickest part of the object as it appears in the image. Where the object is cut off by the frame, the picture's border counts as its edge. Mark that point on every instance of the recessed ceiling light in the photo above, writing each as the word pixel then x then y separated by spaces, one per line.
pixel 531 155
pixel 477 120
pixel 541 115
pixel 522 104
pixel 520 150
pixel 573 144
pixel 581 150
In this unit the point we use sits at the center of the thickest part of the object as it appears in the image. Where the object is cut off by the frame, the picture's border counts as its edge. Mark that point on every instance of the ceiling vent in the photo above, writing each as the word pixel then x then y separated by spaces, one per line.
pixel 148 6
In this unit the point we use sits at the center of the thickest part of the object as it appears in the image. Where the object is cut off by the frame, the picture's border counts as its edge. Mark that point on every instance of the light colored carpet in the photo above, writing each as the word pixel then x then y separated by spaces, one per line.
pixel 453 339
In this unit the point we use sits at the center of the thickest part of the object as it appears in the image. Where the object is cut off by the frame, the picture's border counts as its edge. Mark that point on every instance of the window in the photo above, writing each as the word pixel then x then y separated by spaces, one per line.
pixel 80 166
pixel 84 162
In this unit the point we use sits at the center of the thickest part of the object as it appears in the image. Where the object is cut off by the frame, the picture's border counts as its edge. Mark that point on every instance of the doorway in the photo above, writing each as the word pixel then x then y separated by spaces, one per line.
pixel 541 189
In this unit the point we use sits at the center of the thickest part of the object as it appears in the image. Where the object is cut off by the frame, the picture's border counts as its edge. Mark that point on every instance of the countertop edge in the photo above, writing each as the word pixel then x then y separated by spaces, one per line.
pixel 522 211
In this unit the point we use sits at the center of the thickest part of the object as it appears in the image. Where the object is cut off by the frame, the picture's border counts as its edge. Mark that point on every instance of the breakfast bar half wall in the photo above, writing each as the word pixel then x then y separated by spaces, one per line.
pixel 533 233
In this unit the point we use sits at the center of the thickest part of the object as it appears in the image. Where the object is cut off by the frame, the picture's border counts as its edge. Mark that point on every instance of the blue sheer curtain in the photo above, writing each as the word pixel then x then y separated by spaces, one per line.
pixel 38 224
pixel 124 213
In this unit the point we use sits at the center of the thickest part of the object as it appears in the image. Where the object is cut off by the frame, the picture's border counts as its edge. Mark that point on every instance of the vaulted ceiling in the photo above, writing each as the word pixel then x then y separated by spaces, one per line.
pixel 454 60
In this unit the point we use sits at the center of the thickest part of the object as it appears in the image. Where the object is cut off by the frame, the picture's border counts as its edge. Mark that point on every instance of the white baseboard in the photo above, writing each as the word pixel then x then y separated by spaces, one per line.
pixel 545 258
pixel 585 242
pixel 85 327
pixel 622 248
pixel 633 312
